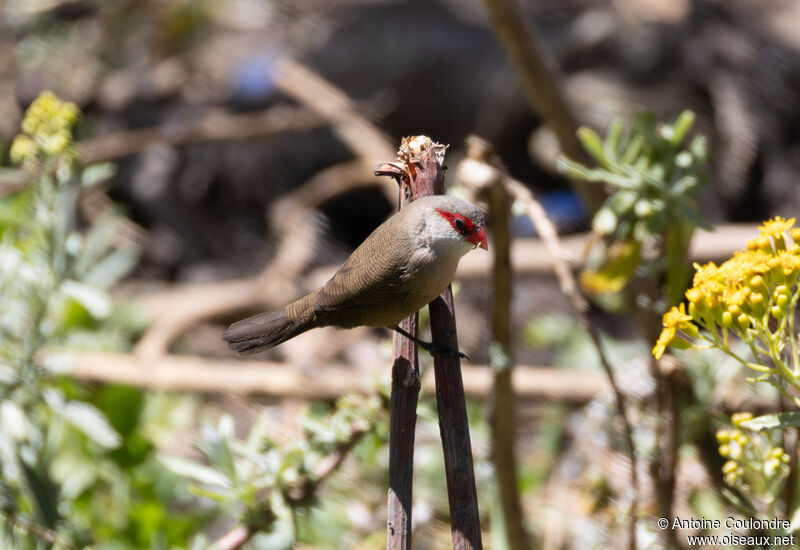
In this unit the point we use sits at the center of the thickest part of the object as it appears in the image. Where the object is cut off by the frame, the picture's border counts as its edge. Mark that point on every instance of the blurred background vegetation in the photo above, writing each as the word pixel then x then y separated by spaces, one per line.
pixel 195 161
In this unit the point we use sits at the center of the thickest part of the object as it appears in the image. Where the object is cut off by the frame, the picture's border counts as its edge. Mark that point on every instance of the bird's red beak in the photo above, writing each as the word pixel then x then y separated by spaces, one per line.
pixel 478 238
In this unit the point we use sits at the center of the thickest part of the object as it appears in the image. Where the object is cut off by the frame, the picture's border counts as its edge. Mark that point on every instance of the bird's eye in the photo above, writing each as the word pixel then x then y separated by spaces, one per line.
pixel 461 227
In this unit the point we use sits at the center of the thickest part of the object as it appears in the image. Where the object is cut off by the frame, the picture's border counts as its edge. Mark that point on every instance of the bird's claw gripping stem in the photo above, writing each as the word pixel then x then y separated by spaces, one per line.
pixel 430 347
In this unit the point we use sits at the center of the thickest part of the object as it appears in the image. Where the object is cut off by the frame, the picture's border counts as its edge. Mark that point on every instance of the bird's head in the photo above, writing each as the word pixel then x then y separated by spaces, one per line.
pixel 454 220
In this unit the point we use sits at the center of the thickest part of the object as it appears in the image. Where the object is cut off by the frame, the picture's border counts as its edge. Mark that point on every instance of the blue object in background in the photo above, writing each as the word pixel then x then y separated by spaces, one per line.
pixel 564 208
pixel 254 79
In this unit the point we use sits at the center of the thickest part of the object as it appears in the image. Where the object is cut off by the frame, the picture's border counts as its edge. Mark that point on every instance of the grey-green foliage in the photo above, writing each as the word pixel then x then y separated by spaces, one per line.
pixel 651 171
pixel 263 483
pixel 54 279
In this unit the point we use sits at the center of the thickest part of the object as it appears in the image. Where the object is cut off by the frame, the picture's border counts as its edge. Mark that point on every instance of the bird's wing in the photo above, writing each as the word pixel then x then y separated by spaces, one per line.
pixel 371 275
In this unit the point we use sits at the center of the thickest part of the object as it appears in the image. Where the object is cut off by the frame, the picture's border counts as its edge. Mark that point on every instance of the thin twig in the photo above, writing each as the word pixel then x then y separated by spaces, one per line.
pixel 44 534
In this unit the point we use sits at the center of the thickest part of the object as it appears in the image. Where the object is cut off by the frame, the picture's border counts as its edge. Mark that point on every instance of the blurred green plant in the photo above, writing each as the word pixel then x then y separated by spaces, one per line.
pixel 652 174
pixel 76 467
pixel 264 484
pixel 757 468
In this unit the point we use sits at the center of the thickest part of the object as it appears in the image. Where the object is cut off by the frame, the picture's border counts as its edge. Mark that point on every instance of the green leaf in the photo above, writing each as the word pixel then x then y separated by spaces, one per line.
pixel 641 231
pixel 112 268
pixel 215 447
pixel 775 421
pixel 679 343
pixel 576 170
pixel 681 127
pixel 692 215
pixel 699 148
pixel 97 173
pixel 593 144
pixel 122 405
pixel 633 150
pixel 44 491
pixel 613 138
pixel 85 417
pixel 794 523
pixel 96 301
pixel 208 493
pixel 13 421
pixel 677 239
pixel 195 472
pixel 684 185
pixel 621 181
pixel 645 125
pixel 622 201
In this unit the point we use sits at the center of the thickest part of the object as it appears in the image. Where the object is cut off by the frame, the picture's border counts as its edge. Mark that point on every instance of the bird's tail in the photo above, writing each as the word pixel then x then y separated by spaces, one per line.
pixel 268 329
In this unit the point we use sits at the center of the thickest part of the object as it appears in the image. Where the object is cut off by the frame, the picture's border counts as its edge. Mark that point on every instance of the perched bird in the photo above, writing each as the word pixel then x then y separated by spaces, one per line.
pixel 403 265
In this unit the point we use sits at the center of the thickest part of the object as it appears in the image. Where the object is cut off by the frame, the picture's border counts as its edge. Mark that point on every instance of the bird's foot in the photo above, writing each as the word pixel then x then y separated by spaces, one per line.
pixel 432 348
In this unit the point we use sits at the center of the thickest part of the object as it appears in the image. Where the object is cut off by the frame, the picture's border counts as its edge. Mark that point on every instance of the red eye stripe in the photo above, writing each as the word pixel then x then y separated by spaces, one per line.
pixel 466 229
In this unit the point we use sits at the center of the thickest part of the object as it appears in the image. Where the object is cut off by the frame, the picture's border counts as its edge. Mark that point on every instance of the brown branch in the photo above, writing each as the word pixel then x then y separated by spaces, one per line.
pixel 402 426
pixel 353 128
pixel 214 125
pixel 421 161
pixel 482 163
pixel 235 538
pixel 288 381
pixel 502 406
pixel 540 81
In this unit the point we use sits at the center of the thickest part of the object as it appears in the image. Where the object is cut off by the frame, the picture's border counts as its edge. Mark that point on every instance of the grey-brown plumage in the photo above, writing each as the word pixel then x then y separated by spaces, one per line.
pixel 403 265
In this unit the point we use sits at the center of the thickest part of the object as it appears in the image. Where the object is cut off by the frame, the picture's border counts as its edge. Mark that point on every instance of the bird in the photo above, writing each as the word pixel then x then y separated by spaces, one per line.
pixel 399 268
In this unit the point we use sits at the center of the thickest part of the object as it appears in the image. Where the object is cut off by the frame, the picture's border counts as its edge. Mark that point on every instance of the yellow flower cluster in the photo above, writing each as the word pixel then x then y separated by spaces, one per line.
pixel 749 453
pixel 47 128
pixel 746 291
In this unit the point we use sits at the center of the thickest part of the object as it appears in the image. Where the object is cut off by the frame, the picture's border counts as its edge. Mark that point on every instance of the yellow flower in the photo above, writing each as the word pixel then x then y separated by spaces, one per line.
pixel 738 418
pixel 675 319
pixel 729 466
pixel 789 262
pixel 776 227
pixel 22 149
pixel 49 121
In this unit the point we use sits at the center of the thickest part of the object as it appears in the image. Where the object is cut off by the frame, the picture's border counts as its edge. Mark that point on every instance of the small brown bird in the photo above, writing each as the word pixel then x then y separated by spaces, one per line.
pixel 403 265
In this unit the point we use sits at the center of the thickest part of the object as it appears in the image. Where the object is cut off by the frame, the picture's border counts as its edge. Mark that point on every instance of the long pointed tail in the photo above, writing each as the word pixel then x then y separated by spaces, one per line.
pixel 267 330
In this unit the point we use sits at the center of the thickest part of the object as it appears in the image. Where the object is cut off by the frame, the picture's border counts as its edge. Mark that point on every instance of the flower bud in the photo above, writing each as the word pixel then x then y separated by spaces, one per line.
pixel 739 417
